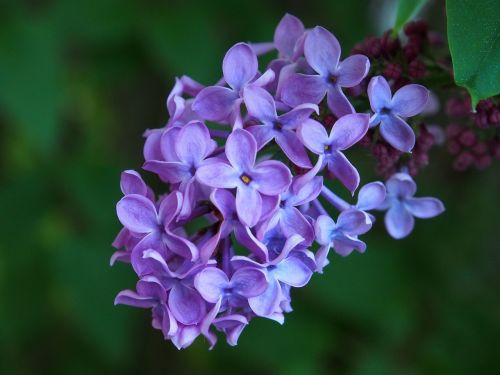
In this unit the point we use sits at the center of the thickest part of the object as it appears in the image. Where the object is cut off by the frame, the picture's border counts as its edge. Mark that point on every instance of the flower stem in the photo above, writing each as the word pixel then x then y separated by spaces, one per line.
pixel 334 199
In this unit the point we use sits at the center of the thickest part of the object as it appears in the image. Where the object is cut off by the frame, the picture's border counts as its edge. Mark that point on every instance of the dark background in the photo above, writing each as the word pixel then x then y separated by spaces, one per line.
pixel 79 83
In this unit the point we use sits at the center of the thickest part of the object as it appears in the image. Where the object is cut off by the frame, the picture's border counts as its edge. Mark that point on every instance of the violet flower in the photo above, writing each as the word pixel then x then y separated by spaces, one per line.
pixel 247 282
pixel 288 264
pixel 260 105
pixel 184 150
pixel 225 202
pixel 232 325
pixel 290 219
pixel 141 217
pixel 179 111
pixel 322 52
pixel 390 111
pixel 402 206
pixel 347 131
pixel 250 180
pixel 240 68
pixel 343 235
pixel 151 294
pixel 130 183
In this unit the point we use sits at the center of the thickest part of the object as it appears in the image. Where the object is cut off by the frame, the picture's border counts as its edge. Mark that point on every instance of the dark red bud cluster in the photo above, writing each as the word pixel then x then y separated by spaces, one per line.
pixel 470 151
pixel 487 114
pixel 420 153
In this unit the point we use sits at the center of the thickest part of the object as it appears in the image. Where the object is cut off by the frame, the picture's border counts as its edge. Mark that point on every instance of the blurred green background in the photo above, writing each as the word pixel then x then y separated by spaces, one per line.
pixel 79 83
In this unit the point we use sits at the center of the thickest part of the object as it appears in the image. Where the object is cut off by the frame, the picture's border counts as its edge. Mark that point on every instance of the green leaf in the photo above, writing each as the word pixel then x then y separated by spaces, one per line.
pixel 31 88
pixel 407 10
pixel 473 35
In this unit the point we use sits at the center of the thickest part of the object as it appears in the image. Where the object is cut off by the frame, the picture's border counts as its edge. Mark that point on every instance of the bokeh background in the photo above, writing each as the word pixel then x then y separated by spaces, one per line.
pixel 79 83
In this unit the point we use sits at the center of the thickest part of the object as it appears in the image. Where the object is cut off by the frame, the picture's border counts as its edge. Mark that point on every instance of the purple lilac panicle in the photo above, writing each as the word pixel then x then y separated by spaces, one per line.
pixel 256 183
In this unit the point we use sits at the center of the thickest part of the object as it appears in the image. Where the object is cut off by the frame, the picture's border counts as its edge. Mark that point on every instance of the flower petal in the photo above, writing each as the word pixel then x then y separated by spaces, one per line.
pixel 271 177
pixel 292 271
pixel 379 93
pixel 344 245
pixel 249 282
pixel 371 196
pixel 241 150
pixel 352 70
pixel 263 134
pixel 292 221
pixel 398 221
pixel 131 182
pixel 169 208
pixel 288 31
pixel 293 148
pixel 224 201
pixel 268 302
pixel 131 298
pixel 232 326
pixel 239 66
pixel 210 283
pixel 215 103
pixel 401 185
pixel 260 104
pixel 152 148
pixel 323 228
pixel 295 117
pixel 353 222
pixel 348 130
pixel 248 205
pixel 313 135
pixel 169 171
pixel 186 304
pixel 425 207
pixel 245 237
pixel 322 51
pixel 217 175
pixel 193 143
pixel 344 170
pixel 397 133
pixel 137 213
pixel 305 190
pixel 338 102
pixel 298 89
pixel 410 100
pixel 167 144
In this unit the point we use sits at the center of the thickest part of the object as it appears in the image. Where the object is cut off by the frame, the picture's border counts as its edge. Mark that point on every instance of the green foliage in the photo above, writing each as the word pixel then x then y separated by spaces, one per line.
pixel 474 39
pixel 405 12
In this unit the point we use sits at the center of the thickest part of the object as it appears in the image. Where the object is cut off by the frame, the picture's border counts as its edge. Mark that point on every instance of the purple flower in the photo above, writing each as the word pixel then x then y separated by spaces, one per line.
pixel 289 37
pixel 151 294
pixel 225 202
pixel 232 325
pixel 240 67
pixel 180 113
pixel 250 180
pixel 141 217
pixel 343 234
pixel 402 206
pixel 288 266
pixel 213 284
pixel 370 197
pixel 390 111
pixel 131 183
pixel 303 190
pixel 184 150
pixel 260 105
pixel 322 52
pixel 346 132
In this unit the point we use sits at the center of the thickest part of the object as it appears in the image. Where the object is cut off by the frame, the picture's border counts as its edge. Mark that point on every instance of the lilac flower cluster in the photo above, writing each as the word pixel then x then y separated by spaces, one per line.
pixel 243 219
